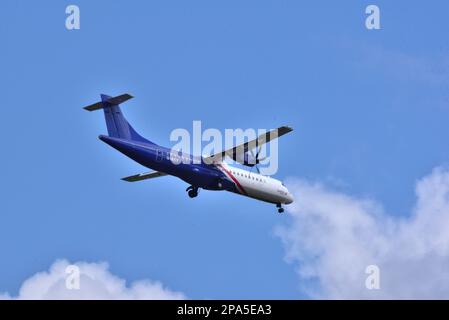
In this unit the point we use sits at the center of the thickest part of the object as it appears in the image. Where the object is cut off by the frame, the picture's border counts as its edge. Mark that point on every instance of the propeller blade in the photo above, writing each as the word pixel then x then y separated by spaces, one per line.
pixel 252 153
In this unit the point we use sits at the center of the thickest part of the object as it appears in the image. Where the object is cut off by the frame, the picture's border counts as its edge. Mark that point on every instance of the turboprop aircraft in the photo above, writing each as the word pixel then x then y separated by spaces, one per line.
pixel 208 173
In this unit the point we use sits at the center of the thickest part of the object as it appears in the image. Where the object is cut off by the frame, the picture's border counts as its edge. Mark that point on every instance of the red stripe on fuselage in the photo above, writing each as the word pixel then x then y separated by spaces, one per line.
pixel 239 186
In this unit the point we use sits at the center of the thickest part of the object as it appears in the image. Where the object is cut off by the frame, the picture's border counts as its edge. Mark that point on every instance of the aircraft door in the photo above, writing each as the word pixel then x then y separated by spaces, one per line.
pixel 159 155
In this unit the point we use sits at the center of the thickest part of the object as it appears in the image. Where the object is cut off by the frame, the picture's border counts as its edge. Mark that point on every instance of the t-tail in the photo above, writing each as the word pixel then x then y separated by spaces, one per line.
pixel 116 123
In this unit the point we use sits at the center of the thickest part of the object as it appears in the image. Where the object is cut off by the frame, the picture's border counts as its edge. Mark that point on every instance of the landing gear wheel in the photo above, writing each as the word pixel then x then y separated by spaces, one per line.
pixel 280 209
pixel 192 193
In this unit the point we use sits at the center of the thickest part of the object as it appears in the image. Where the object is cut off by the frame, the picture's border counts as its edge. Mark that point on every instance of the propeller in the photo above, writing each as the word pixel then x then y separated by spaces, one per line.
pixel 257 159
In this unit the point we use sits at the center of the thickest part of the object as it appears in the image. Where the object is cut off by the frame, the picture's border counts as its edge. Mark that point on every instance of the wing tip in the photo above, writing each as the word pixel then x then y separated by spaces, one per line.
pixel 130 178
pixel 284 129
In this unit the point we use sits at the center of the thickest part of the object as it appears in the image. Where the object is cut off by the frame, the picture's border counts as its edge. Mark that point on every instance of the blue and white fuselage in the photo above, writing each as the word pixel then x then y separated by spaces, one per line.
pixel 195 171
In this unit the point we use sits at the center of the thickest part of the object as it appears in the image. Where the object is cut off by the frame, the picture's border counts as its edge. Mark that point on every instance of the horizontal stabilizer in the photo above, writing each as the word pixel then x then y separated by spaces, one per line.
pixel 144 176
pixel 109 101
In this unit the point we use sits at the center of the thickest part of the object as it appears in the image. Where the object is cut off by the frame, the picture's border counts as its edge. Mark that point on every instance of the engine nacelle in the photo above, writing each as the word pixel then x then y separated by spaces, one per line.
pixel 247 159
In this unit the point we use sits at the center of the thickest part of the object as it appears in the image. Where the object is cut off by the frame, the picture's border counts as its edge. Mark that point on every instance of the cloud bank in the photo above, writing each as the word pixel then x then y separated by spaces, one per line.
pixel 96 282
pixel 333 237
pixel 331 240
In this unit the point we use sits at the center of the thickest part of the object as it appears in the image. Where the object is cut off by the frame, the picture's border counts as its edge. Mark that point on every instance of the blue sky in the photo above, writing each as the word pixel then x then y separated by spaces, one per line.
pixel 370 111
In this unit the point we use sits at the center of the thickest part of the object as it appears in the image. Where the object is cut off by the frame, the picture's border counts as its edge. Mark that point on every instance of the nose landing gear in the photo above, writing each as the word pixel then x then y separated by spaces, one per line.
pixel 192 191
pixel 280 209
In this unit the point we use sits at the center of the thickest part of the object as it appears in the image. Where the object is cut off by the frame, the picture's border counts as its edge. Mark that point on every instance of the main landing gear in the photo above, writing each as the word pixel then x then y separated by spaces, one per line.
pixel 192 191
pixel 280 209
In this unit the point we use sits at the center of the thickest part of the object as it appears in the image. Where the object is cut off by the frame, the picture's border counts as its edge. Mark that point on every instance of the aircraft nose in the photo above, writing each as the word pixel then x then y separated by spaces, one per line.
pixel 289 198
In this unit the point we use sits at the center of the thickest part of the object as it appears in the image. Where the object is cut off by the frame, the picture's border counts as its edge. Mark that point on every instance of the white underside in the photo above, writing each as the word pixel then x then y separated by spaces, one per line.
pixel 257 186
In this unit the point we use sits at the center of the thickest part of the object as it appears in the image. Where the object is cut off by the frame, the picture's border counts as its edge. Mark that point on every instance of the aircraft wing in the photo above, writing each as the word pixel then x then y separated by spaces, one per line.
pixel 237 153
pixel 144 176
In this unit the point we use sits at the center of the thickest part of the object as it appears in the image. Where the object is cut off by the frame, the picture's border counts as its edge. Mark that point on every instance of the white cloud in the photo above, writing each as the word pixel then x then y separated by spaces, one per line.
pixel 334 237
pixel 96 282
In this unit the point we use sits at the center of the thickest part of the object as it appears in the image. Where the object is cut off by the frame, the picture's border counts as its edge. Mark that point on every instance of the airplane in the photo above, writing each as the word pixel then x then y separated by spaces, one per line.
pixel 208 173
